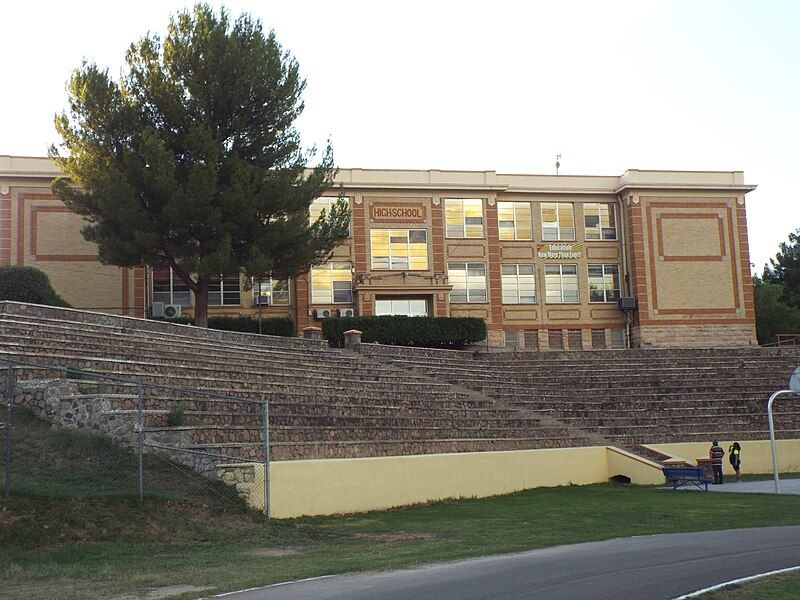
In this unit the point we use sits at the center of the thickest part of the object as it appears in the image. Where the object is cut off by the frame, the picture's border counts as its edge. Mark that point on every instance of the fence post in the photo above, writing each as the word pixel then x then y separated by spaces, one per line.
pixel 139 428
pixel 9 404
pixel 266 459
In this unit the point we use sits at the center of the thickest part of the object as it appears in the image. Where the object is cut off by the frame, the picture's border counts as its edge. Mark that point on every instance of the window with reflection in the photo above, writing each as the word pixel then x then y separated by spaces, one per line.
pixel 464 217
pixel 225 290
pixel 270 292
pixel 332 283
pixel 519 284
pixel 323 203
pixel 169 288
pixel 400 249
pixel 468 281
pixel 410 307
pixel 514 220
pixel 561 284
pixel 603 283
pixel 600 221
pixel 558 221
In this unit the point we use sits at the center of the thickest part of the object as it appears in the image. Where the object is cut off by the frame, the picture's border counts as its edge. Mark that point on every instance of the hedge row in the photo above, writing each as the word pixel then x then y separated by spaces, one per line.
pixel 28 284
pixel 397 330
pixel 282 326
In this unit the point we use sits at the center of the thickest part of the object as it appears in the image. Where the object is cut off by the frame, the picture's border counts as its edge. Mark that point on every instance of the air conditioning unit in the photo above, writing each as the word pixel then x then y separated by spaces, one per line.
pixel 347 312
pixel 172 311
pixel 626 303
pixel 323 313
pixel 158 310
pixel 262 300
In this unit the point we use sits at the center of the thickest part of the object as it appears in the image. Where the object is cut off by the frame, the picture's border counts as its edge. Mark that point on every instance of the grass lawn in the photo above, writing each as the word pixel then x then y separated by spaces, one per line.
pixel 779 587
pixel 75 529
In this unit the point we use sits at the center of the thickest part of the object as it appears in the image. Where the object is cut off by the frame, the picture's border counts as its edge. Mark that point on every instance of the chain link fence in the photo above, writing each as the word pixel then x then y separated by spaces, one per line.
pixel 72 432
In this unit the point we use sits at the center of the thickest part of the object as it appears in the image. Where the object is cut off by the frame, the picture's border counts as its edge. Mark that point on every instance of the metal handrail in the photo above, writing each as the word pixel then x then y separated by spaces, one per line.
pixel 779 341
pixel 794 338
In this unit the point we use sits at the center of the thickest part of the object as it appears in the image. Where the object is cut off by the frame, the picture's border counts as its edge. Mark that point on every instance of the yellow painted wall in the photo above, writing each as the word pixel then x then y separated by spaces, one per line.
pixel 323 487
pixel 640 471
pixel 756 455
pixel 306 487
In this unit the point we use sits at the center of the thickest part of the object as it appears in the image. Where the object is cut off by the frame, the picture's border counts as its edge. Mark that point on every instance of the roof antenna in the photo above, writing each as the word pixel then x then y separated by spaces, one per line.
pixel 558 162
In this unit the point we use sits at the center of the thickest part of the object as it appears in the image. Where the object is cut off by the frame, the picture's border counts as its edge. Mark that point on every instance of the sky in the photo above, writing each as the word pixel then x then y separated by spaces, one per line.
pixel 504 86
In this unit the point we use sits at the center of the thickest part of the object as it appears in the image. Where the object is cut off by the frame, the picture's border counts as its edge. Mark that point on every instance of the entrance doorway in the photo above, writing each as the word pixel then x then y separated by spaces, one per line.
pixel 410 307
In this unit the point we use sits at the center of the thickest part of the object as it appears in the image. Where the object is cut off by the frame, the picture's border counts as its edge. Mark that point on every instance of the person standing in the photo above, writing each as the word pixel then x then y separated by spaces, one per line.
pixel 735 456
pixel 716 454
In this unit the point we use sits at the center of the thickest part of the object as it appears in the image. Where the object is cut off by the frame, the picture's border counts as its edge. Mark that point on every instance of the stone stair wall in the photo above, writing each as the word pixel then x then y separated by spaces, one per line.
pixel 324 403
pixel 627 397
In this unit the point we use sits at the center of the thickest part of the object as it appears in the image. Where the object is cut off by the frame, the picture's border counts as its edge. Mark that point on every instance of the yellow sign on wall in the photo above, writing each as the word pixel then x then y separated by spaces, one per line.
pixel 395 212
pixel 559 251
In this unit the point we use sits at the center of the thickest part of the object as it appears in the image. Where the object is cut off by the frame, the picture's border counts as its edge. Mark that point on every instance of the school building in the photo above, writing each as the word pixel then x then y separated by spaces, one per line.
pixel 647 258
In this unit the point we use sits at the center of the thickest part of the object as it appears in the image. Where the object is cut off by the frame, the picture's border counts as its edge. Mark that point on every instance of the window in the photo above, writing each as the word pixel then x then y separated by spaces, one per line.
pixel 519 284
pixel 512 339
pixel 270 292
pixel 603 283
pixel 575 339
pixel 618 338
pixel 469 282
pixel 561 283
pixel 514 220
pixel 168 287
pixel 320 204
pixel 225 290
pixel 555 339
pixel 598 339
pixel 411 307
pixel 405 249
pixel 332 283
pixel 600 221
pixel 531 340
pixel 558 221
pixel 464 217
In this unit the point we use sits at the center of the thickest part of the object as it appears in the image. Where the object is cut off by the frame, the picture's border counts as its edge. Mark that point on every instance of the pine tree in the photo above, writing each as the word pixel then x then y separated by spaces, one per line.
pixel 191 160
pixel 784 269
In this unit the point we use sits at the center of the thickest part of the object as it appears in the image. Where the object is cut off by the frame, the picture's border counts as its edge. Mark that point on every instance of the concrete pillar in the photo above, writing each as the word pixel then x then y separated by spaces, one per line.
pixel 312 333
pixel 352 339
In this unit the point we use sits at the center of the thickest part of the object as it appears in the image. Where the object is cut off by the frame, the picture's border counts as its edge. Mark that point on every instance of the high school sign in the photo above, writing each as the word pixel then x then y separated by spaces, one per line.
pixel 393 212
pixel 559 251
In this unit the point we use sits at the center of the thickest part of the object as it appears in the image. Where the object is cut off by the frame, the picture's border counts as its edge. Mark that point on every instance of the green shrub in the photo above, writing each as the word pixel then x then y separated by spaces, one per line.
pixel 282 326
pixel 773 314
pixel 425 332
pixel 177 415
pixel 28 284
pixel 78 374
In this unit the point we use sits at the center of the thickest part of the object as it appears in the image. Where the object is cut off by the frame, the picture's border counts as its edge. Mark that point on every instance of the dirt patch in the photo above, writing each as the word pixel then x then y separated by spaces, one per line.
pixel 273 552
pixel 162 592
pixel 395 536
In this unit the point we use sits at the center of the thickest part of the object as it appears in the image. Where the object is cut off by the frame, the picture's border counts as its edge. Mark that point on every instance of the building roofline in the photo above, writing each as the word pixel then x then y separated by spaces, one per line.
pixel 475 181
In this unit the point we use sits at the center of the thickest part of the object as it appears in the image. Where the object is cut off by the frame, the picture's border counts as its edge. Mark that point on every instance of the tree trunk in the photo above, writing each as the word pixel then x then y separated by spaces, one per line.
pixel 201 302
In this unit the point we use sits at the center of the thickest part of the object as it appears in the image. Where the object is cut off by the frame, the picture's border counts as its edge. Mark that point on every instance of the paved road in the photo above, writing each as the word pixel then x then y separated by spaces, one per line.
pixel 647 567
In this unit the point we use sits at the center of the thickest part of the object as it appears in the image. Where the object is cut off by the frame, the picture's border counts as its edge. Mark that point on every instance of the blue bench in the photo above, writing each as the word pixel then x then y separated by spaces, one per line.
pixel 681 476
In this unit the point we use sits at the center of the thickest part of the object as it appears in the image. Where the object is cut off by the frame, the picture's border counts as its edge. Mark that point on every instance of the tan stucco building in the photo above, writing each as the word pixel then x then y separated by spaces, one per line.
pixel 544 259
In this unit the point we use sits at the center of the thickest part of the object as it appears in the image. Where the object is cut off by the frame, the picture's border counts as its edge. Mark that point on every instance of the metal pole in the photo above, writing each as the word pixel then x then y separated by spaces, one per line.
pixel 140 444
pixel 772 441
pixel 266 459
pixel 9 404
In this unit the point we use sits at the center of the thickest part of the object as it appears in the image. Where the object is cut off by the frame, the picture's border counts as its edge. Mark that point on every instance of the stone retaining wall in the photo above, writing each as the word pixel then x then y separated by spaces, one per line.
pixel 729 335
